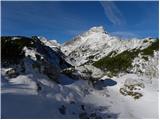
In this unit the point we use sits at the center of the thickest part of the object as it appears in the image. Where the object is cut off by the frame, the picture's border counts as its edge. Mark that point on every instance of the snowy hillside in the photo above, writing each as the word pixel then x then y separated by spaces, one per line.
pixel 95 75
pixel 96 43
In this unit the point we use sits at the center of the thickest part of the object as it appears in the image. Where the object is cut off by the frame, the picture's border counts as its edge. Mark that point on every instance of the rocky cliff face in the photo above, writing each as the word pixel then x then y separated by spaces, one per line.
pixel 22 54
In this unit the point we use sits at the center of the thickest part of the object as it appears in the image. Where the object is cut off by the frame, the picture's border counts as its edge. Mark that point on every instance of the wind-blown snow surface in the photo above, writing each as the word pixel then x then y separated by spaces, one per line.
pixel 21 99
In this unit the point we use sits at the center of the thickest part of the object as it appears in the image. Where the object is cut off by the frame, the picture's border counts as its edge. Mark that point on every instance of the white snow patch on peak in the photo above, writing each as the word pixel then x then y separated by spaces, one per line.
pixel 45 39
pixel 15 38
pixel 97 29
pixel 54 41
pixel 50 43
pixel 94 30
pixel 42 38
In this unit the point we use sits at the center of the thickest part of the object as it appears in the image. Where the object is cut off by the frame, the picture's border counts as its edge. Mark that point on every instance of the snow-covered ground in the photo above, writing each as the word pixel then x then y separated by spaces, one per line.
pixel 22 99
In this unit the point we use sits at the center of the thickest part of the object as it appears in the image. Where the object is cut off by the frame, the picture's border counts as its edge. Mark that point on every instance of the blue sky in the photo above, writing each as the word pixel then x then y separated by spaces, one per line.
pixel 64 20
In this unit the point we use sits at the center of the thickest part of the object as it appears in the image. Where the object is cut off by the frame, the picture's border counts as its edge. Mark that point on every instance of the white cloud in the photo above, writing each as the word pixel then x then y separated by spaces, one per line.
pixel 113 13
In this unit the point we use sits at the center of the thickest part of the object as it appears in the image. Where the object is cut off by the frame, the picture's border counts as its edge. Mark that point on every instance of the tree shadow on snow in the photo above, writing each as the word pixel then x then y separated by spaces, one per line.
pixel 65 80
pixel 104 83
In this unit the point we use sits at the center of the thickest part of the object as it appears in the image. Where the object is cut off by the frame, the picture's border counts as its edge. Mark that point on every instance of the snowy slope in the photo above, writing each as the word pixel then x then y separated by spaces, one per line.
pixel 51 43
pixel 98 43
pixel 21 99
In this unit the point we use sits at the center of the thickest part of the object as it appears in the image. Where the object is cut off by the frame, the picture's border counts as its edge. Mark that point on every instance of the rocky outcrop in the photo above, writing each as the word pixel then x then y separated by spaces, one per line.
pixel 12 73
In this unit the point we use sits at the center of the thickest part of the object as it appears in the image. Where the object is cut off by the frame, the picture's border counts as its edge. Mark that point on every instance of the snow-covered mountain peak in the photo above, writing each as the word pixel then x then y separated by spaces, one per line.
pixel 97 29
pixel 94 30
pixel 51 43
pixel 98 43
pixel 93 37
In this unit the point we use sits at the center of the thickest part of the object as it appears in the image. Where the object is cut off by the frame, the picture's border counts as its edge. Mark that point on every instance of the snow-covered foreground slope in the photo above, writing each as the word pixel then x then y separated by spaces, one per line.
pixel 21 99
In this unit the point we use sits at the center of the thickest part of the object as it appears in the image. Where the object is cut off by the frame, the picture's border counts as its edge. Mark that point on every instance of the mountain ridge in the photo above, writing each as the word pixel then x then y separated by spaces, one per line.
pixel 99 43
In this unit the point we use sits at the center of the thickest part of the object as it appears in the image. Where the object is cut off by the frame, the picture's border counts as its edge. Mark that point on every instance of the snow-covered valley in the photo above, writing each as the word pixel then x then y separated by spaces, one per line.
pixel 43 79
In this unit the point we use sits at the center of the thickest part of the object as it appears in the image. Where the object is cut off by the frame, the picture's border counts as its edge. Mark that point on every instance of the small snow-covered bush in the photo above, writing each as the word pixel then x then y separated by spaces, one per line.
pixel 12 73
pixel 71 72
pixel 131 88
